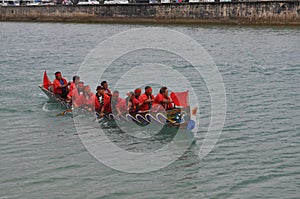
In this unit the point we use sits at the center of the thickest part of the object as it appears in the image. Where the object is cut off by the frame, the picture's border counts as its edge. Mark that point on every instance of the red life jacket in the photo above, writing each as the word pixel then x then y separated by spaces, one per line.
pixel 134 107
pixel 102 101
pixel 56 84
pixel 145 106
pixel 159 100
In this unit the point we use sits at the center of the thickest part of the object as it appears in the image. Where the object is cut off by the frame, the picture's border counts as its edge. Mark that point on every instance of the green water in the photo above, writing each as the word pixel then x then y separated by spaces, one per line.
pixel 256 156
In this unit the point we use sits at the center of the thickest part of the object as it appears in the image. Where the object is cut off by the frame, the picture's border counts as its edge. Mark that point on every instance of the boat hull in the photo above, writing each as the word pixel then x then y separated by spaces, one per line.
pixel 166 119
pixel 55 98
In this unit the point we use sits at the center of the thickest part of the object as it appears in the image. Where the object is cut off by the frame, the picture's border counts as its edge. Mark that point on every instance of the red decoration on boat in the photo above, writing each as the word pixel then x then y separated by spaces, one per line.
pixel 180 98
pixel 46 81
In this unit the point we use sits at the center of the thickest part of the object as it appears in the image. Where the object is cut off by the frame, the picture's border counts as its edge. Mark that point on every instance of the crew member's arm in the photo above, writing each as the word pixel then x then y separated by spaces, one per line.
pixel 121 105
pixel 141 102
pixel 106 105
pixel 129 105
pixel 77 103
pixel 102 111
pixel 167 101
pixel 108 93
pixel 97 104
pixel 148 100
pixel 65 85
pixel 118 111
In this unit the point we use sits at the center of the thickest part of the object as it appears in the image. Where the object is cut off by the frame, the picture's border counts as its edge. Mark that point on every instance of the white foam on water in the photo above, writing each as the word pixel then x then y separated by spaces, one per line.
pixel 45 108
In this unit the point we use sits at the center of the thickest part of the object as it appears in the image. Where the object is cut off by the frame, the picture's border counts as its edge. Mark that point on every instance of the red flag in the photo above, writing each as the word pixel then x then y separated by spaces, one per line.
pixel 180 98
pixel 46 81
pixel 194 111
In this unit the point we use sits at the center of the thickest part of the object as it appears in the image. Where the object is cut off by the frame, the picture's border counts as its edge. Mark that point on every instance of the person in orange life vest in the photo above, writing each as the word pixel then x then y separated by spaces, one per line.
pixel 128 100
pixel 163 99
pixel 133 102
pixel 60 85
pixel 118 105
pixel 106 90
pixel 102 104
pixel 85 100
pixel 76 80
pixel 78 90
pixel 146 99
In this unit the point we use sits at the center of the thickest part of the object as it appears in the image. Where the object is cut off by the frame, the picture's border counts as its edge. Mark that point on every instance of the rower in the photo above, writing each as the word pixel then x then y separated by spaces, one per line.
pixel 163 99
pixel 72 88
pixel 60 85
pixel 133 102
pixel 102 102
pixel 85 100
pixel 118 105
pixel 78 90
pixel 146 99
pixel 106 89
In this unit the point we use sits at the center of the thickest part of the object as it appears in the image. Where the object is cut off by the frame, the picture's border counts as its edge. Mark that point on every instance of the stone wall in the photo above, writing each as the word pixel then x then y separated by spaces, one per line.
pixel 262 12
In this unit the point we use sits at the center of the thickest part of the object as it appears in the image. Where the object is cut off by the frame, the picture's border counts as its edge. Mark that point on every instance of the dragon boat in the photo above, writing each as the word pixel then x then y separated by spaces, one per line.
pixel 179 117
pixel 55 98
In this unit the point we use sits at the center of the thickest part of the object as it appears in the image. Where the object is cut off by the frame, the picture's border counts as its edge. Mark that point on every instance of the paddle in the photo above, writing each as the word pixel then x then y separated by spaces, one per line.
pixel 105 116
pixel 82 111
pixel 64 112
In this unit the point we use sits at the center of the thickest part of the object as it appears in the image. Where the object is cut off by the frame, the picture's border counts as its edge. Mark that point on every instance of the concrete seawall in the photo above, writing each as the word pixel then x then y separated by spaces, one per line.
pixel 248 13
